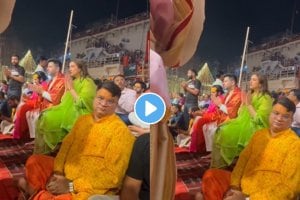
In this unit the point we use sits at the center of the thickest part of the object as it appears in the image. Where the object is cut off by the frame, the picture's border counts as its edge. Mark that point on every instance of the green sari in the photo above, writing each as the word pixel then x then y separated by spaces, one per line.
pixel 54 123
pixel 232 136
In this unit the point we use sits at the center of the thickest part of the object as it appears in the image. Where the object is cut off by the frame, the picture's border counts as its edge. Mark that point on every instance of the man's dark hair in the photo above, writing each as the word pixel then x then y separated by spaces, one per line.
pixel 112 88
pixel 13 97
pixel 231 77
pixel 98 82
pixel 56 62
pixel 177 106
pixel 296 93
pixel 288 104
pixel 16 55
pixel 41 58
pixel 194 71
pixel 274 95
pixel 143 85
pixel 119 75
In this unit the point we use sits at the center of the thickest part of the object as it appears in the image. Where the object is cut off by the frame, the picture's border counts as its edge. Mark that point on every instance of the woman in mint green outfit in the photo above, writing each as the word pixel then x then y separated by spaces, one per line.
pixel 233 135
pixel 54 123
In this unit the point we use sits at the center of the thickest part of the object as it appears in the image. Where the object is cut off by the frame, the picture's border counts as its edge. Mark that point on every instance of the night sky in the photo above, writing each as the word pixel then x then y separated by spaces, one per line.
pixel 43 24
pixel 226 22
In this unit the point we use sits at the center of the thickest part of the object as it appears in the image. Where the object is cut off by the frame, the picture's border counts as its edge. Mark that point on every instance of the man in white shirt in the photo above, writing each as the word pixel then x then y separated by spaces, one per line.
pixel 294 96
pixel 219 79
pixel 42 66
pixel 127 99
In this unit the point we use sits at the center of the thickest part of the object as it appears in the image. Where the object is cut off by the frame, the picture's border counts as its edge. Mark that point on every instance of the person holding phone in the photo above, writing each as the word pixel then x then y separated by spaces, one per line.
pixel 15 77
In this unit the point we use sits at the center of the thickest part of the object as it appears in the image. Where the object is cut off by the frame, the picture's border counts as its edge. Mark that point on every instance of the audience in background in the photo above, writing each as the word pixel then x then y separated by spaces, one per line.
pixel 126 101
pixel 294 96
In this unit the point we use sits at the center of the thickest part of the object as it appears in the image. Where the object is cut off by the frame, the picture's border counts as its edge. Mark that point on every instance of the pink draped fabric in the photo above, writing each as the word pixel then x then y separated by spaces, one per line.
pixel 6 9
pixel 175 28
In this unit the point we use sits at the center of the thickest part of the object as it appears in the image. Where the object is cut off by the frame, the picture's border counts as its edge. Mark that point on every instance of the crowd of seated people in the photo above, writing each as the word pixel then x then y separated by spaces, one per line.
pixel 238 131
pixel 76 128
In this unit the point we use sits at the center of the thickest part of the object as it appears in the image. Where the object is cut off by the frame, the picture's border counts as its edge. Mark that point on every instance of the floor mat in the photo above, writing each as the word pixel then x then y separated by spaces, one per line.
pixel 190 169
pixel 13 155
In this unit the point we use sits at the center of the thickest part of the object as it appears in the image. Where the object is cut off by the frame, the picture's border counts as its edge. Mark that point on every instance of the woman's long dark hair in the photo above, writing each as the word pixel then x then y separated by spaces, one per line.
pixel 263 81
pixel 83 67
pixel 41 76
pixel 219 89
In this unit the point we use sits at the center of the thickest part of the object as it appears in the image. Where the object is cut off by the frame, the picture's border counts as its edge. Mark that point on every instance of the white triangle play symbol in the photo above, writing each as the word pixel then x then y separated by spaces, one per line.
pixel 149 108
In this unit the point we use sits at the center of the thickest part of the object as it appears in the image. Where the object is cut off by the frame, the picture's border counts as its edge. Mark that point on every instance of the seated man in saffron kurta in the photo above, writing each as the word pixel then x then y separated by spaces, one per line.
pixel 267 169
pixel 93 157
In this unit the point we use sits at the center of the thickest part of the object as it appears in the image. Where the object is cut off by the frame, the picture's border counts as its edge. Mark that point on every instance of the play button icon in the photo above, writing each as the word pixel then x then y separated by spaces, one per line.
pixel 150 108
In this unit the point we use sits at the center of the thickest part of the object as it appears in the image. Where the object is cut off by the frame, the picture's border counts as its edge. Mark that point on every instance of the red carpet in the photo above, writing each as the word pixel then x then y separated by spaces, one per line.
pixel 190 169
pixel 13 155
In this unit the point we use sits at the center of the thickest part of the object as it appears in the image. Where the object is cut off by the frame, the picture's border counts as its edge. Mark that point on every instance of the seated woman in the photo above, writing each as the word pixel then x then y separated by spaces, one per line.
pixel 28 103
pixel 55 122
pixel 210 115
pixel 233 135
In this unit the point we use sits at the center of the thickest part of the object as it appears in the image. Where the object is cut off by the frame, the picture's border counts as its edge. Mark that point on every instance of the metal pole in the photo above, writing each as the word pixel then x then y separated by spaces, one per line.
pixel 293 16
pixel 67 41
pixel 243 57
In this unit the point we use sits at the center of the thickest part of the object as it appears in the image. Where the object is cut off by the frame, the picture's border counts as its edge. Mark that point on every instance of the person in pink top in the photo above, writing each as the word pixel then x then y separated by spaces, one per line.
pixel 210 115
pixel 31 102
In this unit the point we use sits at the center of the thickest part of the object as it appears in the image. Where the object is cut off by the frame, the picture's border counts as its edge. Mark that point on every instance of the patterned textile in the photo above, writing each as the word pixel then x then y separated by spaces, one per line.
pixel 190 169
pixel 13 155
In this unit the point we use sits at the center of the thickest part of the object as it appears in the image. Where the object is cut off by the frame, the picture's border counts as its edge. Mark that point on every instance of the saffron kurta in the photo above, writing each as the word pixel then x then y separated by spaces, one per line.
pixel 94 155
pixel 55 122
pixel 234 135
pixel 268 168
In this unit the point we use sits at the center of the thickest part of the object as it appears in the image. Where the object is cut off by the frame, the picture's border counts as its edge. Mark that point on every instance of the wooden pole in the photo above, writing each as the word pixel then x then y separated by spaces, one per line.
pixel 67 41
pixel 243 57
